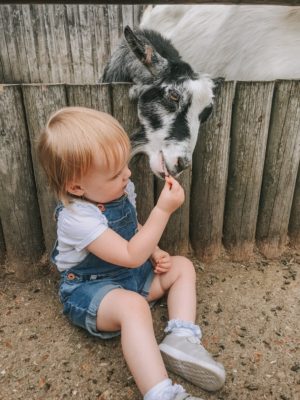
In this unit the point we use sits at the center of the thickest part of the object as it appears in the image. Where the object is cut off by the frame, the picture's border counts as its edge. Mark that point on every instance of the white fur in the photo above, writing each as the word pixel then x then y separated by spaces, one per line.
pixel 236 42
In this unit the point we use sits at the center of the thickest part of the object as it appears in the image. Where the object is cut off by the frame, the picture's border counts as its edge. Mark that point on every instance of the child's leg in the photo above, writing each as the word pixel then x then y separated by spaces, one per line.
pixel 180 280
pixel 182 350
pixel 129 312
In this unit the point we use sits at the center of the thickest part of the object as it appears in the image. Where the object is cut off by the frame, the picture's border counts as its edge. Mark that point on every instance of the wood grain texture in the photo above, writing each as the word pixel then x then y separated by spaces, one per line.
pixel 249 133
pixel 294 223
pixel 281 168
pixel 209 179
pixel 60 43
pixel 19 210
pixel 40 102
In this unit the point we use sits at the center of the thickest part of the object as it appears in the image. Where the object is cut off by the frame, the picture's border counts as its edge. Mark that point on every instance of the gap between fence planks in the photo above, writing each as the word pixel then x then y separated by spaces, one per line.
pixel 280 170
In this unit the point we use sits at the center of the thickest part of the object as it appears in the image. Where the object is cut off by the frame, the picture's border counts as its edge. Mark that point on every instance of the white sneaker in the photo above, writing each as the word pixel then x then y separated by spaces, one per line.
pixel 186 357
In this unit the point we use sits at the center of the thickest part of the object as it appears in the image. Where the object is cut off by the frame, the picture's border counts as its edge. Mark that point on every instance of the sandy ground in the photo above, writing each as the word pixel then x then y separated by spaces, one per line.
pixel 249 313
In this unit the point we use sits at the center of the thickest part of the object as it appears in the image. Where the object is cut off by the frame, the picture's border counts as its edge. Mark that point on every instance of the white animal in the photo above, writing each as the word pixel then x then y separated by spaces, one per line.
pixel 238 42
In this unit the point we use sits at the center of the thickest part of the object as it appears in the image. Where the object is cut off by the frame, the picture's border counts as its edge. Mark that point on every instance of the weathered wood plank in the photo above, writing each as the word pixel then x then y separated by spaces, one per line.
pixel 249 133
pixel 60 43
pixel 280 171
pixel 209 177
pixel 125 112
pixel 40 102
pixel 294 225
pixel 19 208
pixel 2 246
pixel 175 238
pixel 91 96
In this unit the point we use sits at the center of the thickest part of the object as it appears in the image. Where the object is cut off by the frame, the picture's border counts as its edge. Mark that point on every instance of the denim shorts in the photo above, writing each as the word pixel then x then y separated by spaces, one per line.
pixel 82 293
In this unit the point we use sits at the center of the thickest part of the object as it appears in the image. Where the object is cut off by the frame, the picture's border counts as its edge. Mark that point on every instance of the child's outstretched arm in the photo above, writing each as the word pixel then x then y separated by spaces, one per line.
pixel 113 248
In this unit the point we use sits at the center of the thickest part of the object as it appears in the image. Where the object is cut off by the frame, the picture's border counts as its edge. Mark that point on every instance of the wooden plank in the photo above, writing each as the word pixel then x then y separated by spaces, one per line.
pixel 249 132
pixel 30 44
pixel 2 247
pixel 115 25
pixel 209 177
pixel 101 39
pixel 19 208
pixel 294 225
pixel 40 102
pixel 4 55
pixel 280 171
pixel 91 96
pixel 175 238
pixel 125 111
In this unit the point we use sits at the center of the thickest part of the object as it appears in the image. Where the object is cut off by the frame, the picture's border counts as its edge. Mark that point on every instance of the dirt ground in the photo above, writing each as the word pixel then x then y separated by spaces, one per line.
pixel 249 313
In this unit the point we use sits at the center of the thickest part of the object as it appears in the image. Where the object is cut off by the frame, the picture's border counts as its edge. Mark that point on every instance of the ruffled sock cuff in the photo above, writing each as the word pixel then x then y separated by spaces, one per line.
pixel 175 324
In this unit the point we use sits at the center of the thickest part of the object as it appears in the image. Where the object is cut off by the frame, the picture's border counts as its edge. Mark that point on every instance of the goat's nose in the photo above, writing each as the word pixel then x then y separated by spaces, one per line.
pixel 181 164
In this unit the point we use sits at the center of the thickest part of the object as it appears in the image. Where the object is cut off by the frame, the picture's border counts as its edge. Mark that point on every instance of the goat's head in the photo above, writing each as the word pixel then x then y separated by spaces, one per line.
pixel 172 101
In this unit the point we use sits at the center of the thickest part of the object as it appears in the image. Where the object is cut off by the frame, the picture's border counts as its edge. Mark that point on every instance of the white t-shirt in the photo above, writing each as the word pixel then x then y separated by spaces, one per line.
pixel 79 224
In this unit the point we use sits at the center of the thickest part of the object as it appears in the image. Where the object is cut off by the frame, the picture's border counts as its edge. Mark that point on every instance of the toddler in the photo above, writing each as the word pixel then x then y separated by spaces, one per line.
pixel 111 267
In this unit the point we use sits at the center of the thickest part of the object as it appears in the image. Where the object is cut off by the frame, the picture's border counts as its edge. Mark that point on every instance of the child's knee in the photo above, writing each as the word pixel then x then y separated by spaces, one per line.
pixel 186 267
pixel 134 303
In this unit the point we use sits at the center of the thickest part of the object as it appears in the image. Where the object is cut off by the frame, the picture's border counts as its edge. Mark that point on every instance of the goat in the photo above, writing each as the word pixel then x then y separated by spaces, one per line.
pixel 172 99
pixel 238 42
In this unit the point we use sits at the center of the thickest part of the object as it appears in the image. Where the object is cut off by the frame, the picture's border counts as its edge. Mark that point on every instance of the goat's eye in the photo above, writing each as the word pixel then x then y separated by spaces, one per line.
pixel 174 95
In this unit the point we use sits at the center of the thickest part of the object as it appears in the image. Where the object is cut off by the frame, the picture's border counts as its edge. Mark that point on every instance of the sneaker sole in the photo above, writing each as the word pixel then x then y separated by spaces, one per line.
pixel 208 377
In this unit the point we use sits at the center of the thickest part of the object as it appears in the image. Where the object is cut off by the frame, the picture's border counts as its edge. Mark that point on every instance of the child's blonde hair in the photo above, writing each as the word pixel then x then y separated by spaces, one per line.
pixel 71 140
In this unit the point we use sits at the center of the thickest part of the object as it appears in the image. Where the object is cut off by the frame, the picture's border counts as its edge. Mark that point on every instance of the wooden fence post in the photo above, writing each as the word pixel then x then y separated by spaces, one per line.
pixel 294 225
pixel 249 133
pixel 125 111
pixel 280 171
pixel 2 246
pixel 175 238
pixel 40 102
pixel 19 208
pixel 209 177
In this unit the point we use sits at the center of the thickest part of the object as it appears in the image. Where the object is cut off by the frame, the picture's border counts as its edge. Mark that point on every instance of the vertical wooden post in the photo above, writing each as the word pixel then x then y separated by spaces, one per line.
pixel 125 112
pixel 175 238
pixel 209 178
pixel 250 122
pixel 294 225
pixel 40 102
pixel 19 208
pixel 280 171
pixel 2 246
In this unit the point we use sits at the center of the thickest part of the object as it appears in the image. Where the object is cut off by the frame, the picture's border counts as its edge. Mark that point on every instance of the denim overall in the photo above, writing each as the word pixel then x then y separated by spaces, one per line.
pixel 83 286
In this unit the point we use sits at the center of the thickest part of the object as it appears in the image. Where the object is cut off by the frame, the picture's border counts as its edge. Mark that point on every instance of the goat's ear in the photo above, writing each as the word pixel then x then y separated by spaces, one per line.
pixel 145 52
pixel 205 113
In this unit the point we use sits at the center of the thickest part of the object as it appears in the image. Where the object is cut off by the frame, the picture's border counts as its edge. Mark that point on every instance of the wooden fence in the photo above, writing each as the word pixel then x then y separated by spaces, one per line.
pixel 242 189
pixel 54 43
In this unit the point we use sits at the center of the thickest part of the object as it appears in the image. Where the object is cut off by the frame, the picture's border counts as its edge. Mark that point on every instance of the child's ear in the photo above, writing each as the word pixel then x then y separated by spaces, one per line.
pixel 75 189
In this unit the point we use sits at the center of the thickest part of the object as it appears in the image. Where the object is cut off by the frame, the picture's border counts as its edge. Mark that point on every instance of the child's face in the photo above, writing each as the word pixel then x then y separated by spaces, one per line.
pixel 104 186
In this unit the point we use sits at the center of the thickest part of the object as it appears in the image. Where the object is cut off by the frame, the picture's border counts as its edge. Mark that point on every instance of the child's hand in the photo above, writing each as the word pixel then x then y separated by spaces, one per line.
pixel 161 261
pixel 172 195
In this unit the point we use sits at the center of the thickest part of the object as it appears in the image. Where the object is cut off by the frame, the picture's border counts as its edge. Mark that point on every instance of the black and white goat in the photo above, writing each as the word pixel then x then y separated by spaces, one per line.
pixel 172 99
pixel 238 42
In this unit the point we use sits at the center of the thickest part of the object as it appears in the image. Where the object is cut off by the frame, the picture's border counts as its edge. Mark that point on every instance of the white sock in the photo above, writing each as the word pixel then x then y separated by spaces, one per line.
pixel 163 391
pixel 183 328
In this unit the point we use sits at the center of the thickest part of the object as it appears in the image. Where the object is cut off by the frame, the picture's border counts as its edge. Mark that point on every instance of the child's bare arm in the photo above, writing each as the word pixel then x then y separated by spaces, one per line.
pixel 113 248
